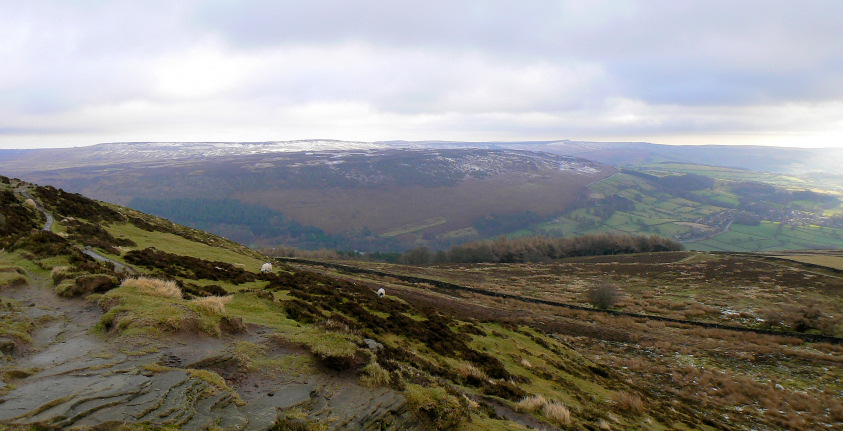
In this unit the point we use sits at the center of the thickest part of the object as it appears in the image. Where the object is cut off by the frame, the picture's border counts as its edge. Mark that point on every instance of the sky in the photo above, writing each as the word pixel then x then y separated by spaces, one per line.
pixel 84 72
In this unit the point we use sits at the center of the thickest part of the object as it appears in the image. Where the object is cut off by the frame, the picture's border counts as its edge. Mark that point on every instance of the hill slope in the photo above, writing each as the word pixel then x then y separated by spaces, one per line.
pixel 363 199
pixel 111 315
pixel 208 342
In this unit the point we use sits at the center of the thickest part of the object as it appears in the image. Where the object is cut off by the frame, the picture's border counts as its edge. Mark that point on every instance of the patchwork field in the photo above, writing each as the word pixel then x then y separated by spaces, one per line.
pixel 714 218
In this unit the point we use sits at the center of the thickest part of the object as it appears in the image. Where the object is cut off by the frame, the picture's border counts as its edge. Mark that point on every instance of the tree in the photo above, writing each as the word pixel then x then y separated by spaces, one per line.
pixel 417 256
pixel 602 294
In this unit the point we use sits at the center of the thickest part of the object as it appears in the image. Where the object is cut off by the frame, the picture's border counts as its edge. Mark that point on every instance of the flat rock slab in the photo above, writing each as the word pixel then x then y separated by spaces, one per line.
pixel 57 396
pixel 263 411
pixel 65 353
pixel 83 381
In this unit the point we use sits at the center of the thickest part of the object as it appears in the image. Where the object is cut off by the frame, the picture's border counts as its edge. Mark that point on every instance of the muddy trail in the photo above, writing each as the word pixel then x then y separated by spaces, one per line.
pixel 69 377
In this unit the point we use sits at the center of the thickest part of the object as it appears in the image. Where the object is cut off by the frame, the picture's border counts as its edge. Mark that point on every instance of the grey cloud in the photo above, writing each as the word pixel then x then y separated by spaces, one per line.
pixel 665 52
pixel 527 69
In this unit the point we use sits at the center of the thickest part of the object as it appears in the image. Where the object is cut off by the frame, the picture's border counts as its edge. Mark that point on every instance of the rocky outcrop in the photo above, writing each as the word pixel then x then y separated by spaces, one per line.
pixel 79 381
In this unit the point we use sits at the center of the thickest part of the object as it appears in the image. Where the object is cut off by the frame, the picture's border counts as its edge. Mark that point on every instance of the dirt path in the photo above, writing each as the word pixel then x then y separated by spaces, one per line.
pixel 69 377
pixel 118 266
pixel 48 225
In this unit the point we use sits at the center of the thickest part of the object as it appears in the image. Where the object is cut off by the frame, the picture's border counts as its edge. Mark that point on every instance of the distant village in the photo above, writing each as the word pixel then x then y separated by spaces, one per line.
pixel 719 222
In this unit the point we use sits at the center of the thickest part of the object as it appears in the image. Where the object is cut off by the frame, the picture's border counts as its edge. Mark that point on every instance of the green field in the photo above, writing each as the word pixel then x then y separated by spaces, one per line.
pixel 654 212
pixel 768 237
pixel 660 211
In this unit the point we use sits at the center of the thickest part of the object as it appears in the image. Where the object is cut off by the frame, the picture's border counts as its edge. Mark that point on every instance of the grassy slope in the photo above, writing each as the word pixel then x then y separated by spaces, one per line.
pixel 436 379
pixel 734 289
pixel 727 374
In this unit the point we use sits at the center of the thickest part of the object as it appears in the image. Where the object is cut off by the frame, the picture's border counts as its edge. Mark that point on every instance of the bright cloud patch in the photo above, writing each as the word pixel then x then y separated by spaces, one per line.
pixel 702 72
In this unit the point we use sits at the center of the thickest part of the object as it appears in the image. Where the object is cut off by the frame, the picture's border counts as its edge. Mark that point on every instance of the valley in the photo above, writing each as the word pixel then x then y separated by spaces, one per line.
pixel 310 346
pixel 395 196
pixel 438 216
pixel 366 199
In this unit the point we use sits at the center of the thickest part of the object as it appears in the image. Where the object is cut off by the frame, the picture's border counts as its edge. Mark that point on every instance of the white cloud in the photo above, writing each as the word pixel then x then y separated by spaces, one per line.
pixel 89 72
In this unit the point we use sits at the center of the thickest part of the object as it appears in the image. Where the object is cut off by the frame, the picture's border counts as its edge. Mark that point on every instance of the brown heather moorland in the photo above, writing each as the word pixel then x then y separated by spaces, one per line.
pixel 735 380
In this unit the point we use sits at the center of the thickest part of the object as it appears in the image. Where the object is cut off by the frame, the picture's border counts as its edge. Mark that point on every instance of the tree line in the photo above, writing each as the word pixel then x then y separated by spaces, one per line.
pixel 501 250
pixel 541 249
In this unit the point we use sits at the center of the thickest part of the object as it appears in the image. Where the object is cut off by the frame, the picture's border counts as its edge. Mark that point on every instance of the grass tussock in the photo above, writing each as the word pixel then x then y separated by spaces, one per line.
pixel 374 375
pixel 552 410
pixel 211 304
pixel 14 324
pixel 531 403
pixel 469 371
pixel 12 279
pixel 295 419
pixel 86 284
pixel 16 269
pixel 11 276
pixel 217 384
pixel 151 308
pixel 154 286
pixel 59 273
pixel 557 413
pixel 629 402
pixel 442 409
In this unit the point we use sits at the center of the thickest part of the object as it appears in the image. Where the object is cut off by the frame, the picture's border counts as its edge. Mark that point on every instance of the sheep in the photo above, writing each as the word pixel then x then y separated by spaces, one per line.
pixel 381 292
pixel 266 268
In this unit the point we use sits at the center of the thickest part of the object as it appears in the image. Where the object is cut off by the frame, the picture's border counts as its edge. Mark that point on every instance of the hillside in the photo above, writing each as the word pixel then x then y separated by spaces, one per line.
pixel 232 347
pixel 794 161
pixel 690 330
pixel 707 208
pixel 365 199
pixel 111 315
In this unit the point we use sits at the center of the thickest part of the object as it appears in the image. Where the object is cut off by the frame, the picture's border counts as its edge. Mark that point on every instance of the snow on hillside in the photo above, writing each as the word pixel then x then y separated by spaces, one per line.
pixel 182 150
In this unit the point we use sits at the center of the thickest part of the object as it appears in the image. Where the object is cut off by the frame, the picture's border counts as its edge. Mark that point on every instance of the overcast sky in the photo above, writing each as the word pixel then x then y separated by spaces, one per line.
pixel 677 72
